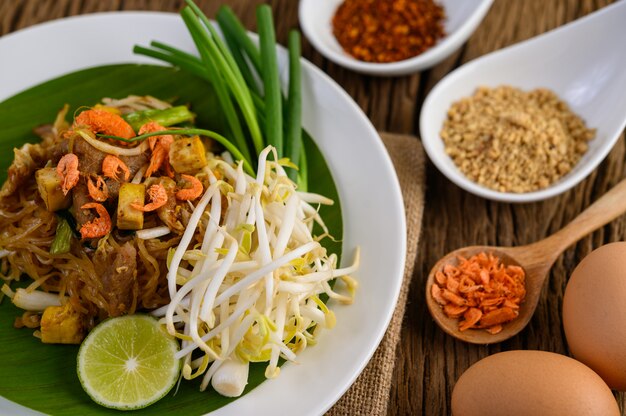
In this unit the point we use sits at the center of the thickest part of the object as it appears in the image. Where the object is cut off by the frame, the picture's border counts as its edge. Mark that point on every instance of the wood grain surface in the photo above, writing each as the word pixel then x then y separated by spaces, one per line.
pixel 428 361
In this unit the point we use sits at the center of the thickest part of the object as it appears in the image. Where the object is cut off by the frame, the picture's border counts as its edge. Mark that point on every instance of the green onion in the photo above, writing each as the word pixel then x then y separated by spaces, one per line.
pixel 229 23
pixel 227 67
pixel 177 52
pixel 303 172
pixel 194 67
pixel 216 79
pixel 63 238
pixel 201 132
pixel 240 59
pixel 224 52
pixel 234 66
pixel 293 130
pixel 166 117
pixel 271 83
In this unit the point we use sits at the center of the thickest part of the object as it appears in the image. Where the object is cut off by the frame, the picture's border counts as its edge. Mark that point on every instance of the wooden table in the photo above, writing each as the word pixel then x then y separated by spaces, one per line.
pixel 428 361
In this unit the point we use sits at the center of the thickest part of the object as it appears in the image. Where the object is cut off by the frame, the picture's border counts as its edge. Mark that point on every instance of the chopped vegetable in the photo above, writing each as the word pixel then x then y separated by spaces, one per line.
pixel 187 154
pixel 156 232
pixel 63 238
pixel 31 300
pixel 165 117
pixel 62 325
pixel 231 378
pixel 128 216
pixel 49 186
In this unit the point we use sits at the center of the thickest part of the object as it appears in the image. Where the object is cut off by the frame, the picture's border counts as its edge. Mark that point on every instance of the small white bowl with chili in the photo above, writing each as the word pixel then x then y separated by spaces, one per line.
pixel 462 17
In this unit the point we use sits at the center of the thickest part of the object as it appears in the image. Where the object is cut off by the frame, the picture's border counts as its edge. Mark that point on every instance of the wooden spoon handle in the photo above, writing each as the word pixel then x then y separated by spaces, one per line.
pixel 610 206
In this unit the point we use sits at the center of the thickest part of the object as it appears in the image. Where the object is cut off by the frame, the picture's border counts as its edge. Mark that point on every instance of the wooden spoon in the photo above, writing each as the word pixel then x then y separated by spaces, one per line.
pixel 536 259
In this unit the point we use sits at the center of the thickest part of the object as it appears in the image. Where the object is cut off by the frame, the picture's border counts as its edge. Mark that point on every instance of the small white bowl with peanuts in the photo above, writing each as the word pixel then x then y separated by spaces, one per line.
pixel 511 140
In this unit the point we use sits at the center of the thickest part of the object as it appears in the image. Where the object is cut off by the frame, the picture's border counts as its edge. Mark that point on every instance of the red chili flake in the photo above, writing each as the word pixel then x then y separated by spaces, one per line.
pixel 388 30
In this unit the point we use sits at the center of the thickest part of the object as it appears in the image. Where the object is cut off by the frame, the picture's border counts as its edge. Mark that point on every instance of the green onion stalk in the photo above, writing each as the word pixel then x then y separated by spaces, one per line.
pixel 246 81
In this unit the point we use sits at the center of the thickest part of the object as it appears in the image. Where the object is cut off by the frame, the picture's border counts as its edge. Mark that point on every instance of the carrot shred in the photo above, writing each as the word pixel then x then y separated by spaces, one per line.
pixel 482 289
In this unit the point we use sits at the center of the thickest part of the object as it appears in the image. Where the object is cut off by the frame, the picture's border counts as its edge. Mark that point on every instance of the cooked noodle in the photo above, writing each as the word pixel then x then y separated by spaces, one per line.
pixel 28 229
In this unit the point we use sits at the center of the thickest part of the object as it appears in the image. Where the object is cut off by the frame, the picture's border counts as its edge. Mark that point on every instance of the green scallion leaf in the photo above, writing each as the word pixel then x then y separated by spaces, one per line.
pixel 293 130
pixel 303 172
pixel 229 22
pixel 63 238
pixel 227 67
pixel 216 79
pixel 271 82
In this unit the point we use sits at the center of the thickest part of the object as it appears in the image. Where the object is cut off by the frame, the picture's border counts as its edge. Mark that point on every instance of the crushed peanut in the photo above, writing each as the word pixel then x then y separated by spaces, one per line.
pixel 510 140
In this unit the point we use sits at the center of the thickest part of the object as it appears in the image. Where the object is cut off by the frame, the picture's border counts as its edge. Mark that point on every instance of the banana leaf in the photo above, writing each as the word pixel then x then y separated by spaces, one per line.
pixel 41 376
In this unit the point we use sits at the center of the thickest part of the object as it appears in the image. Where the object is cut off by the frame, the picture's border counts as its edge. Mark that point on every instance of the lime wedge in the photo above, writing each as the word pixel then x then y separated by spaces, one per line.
pixel 128 362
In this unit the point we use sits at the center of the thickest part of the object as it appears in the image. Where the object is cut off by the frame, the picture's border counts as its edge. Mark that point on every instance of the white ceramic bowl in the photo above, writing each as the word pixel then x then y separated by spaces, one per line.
pixel 590 77
pixel 376 225
pixel 462 18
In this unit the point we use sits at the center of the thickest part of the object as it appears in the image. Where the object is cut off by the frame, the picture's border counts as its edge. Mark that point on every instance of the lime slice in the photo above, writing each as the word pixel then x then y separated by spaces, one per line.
pixel 128 362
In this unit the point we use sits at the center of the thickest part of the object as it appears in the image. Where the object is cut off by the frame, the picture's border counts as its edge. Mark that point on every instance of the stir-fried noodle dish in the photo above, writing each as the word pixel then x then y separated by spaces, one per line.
pixel 105 217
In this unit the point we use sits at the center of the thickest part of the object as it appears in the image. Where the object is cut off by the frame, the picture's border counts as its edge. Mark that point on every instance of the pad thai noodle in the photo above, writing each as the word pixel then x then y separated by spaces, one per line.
pixel 104 225
pixel 92 220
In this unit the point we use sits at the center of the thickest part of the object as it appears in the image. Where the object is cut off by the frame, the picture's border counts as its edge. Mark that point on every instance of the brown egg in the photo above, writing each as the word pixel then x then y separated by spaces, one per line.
pixel 531 383
pixel 594 313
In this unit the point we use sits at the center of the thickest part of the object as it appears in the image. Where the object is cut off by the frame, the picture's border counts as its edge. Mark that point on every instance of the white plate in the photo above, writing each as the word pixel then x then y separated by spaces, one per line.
pixel 368 188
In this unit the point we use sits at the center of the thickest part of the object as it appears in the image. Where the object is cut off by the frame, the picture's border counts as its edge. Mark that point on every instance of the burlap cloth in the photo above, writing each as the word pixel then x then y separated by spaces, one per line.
pixel 369 395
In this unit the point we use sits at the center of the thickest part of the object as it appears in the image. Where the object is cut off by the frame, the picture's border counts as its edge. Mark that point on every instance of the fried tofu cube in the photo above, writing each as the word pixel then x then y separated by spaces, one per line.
pixel 62 325
pixel 128 216
pixel 49 186
pixel 188 154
